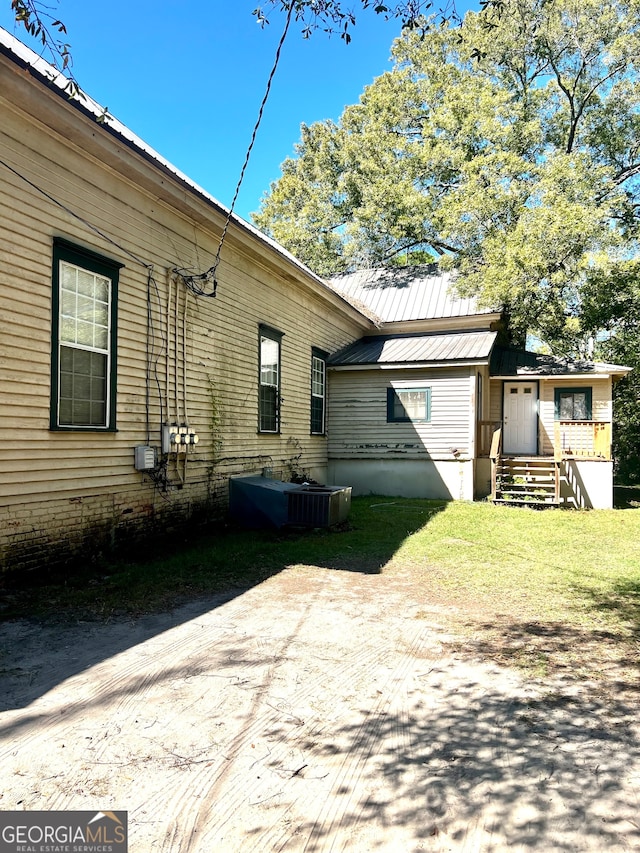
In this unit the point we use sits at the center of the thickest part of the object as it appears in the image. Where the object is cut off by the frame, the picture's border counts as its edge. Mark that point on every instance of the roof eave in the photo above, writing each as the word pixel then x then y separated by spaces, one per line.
pixel 608 374
pixel 402 365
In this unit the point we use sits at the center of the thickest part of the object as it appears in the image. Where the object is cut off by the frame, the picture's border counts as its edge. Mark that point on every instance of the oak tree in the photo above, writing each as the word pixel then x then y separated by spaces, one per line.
pixel 508 145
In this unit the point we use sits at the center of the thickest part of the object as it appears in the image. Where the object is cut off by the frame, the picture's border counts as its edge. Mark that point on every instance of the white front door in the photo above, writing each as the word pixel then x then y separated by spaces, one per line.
pixel 520 419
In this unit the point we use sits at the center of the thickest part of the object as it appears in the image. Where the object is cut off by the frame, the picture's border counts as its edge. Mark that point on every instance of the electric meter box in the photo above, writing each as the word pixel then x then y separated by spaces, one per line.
pixel 145 457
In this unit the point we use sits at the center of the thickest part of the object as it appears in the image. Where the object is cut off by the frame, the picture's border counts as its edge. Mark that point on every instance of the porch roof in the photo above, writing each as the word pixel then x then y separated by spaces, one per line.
pixel 431 349
pixel 513 362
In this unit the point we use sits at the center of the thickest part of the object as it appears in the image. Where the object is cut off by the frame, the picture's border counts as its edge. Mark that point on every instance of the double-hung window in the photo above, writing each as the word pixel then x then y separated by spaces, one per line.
pixel 573 404
pixel 83 363
pixel 318 391
pixel 269 389
pixel 408 405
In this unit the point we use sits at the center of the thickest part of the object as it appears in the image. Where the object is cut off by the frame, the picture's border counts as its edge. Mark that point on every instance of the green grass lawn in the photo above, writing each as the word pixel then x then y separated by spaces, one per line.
pixel 581 567
pixel 562 585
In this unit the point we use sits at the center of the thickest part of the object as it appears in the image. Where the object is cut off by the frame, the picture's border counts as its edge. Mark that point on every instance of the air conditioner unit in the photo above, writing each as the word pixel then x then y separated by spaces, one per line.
pixel 259 501
pixel 319 506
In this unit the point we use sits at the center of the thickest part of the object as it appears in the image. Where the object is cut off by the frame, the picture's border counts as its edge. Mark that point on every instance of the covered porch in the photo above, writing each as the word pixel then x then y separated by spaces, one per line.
pixel 546 431
pixel 539 479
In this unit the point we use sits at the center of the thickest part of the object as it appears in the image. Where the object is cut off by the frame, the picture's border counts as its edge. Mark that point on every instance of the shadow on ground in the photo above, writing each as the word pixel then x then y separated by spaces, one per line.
pixel 626 497
pixel 544 774
pixel 121 604
pixel 322 712
pixel 605 658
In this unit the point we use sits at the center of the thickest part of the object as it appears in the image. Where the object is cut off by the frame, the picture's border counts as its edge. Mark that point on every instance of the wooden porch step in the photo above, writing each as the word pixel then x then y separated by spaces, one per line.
pixel 526 481
pixel 517 465
pixel 524 488
pixel 526 477
pixel 525 501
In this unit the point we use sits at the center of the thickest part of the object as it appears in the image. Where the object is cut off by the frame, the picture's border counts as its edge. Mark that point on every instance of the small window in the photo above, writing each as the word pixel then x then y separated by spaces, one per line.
pixel 408 405
pixel 318 391
pixel 573 404
pixel 269 388
pixel 83 363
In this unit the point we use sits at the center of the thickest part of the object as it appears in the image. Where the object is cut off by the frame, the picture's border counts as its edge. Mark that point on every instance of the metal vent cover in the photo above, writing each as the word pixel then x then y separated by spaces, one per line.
pixel 319 506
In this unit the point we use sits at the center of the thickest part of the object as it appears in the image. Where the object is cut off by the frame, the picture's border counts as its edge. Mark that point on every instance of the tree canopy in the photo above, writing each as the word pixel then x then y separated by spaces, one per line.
pixel 336 16
pixel 509 146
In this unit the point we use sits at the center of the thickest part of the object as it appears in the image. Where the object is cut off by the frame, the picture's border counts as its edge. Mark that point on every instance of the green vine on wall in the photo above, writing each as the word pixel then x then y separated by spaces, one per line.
pixel 297 474
pixel 215 428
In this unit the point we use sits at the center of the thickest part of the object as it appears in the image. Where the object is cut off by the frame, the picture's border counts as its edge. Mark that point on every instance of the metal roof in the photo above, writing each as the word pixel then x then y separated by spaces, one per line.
pixel 513 362
pixel 411 349
pixel 407 293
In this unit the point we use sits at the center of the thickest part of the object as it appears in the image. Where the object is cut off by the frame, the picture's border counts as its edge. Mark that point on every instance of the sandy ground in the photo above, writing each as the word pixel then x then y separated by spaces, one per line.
pixel 320 711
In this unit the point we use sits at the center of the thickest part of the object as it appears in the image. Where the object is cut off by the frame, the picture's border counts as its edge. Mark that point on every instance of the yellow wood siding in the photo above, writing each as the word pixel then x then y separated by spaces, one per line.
pixel 46 478
pixel 358 425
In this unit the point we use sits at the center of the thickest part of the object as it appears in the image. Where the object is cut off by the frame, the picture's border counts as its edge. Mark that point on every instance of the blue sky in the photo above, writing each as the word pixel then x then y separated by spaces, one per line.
pixel 189 79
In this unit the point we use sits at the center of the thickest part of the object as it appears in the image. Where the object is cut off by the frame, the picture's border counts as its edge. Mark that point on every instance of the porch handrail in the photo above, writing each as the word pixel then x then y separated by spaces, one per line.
pixel 485 430
pixel 494 455
pixel 496 444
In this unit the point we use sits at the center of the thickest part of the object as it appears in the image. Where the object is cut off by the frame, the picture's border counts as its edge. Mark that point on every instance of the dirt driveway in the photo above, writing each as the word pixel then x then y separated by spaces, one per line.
pixel 319 711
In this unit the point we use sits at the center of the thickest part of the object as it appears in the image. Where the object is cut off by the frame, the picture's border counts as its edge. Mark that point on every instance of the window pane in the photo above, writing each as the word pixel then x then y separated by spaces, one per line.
pixel 68 275
pixel 317 415
pixel 81 412
pixel 98 413
pixel 84 334
pixel 579 407
pixel 318 386
pixel 86 284
pixel 68 304
pixel 268 361
pixel 411 404
pixel 68 331
pixel 84 342
pixel 100 314
pixel 102 289
pixel 566 407
pixel 317 377
pixel 84 307
pixel 268 408
pixel 64 411
pixel 98 388
pixel 83 384
pixel 81 387
pixel 101 337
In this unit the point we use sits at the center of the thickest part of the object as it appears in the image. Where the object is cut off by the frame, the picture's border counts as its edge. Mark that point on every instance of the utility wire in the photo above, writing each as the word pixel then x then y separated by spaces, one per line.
pixel 211 272
pixel 77 216
pixel 194 282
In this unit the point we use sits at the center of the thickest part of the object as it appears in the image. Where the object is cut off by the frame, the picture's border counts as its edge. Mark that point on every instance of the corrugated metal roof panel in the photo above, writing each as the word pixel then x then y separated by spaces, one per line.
pixel 407 293
pixel 409 349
